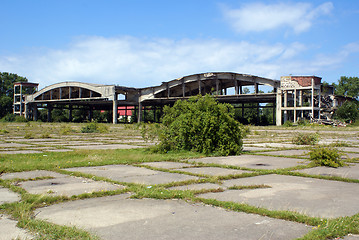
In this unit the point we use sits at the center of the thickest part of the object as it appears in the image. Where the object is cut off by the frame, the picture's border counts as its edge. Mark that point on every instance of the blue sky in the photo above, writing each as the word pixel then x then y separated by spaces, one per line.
pixel 142 43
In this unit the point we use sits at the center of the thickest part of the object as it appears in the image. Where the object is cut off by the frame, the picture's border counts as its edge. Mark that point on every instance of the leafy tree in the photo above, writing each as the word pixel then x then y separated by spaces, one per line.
pixel 347 86
pixel 7 81
pixel 348 111
pixel 201 124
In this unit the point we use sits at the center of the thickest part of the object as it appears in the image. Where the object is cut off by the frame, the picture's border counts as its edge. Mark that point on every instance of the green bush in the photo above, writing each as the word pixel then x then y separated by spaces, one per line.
pixel 288 124
pixel 324 156
pixel 20 119
pixel 66 130
pixel 347 112
pixel 8 118
pixel 201 124
pixel 305 139
pixel 303 122
pixel 94 127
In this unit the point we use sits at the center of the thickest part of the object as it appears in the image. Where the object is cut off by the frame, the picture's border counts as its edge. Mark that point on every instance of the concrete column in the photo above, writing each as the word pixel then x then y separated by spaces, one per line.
pixel 144 113
pixel 279 108
pixel 199 85
pixel 26 111
pixel 183 88
pixel 139 117
pixel 236 88
pixel 21 110
pixel 114 110
pixel 217 86
pixel 35 112
pixel 49 109
pixel 256 89
pixel 90 114
pixel 312 99
pixel 295 106
pixel 70 113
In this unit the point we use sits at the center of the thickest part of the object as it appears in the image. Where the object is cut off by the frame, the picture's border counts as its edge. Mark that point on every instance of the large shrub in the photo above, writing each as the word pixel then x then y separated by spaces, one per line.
pixel 347 112
pixel 201 124
pixel 325 156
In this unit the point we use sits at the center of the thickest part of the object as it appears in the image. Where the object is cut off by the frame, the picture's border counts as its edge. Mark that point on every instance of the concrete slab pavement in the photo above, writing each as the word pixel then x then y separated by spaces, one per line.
pixel 67 186
pixel 253 161
pixel 7 196
pixel 200 186
pixel 167 165
pixel 293 152
pixel 8 230
pixel 313 197
pixel 127 173
pixel 105 146
pixel 213 171
pixel 118 217
pixel 351 171
pixel 30 175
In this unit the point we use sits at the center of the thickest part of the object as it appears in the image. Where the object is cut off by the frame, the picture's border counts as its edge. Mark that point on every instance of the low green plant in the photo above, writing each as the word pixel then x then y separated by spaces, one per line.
pixel 3 131
pixel 8 118
pixel 29 135
pixel 288 124
pixel 66 130
pixel 45 135
pixel 325 156
pixel 20 119
pixel 305 139
pixel 303 122
pixel 94 127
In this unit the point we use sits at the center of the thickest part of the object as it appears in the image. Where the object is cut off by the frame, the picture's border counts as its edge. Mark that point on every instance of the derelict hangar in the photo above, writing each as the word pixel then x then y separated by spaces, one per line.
pixel 224 86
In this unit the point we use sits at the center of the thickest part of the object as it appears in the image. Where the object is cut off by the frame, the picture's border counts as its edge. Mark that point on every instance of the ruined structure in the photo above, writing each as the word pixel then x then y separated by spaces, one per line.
pixel 292 98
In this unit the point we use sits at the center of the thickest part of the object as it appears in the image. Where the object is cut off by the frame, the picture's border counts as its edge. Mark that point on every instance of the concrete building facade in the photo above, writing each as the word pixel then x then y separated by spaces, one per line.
pixel 292 98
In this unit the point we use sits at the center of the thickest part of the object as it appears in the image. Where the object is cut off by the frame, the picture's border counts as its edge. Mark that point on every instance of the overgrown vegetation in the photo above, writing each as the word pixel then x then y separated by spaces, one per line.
pixel 348 112
pixel 305 139
pixel 94 127
pixel 200 124
pixel 325 156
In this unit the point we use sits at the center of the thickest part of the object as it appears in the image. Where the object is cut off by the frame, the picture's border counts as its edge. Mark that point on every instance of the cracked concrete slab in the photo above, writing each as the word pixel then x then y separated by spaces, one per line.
pixel 111 217
pixel 7 196
pixel 20 152
pixel 105 146
pixel 8 230
pixel 350 149
pixel 167 165
pixel 351 171
pixel 253 161
pixel 30 175
pixel 213 171
pixel 67 186
pixel 254 149
pixel 293 152
pixel 277 145
pixel 13 145
pixel 126 173
pixel 200 186
pixel 313 197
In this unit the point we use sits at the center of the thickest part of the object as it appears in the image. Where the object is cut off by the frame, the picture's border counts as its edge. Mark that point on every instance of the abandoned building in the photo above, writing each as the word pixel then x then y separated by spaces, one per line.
pixel 291 98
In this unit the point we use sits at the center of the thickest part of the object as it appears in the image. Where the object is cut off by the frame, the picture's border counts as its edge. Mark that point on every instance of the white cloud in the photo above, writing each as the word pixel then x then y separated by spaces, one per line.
pixel 136 62
pixel 259 17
